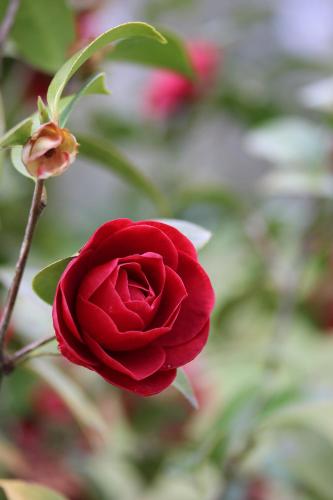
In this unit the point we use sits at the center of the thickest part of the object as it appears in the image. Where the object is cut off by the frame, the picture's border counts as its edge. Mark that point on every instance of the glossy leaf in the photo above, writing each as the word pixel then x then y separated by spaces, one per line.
pixel 198 235
pixel 172 56
pixel 79 58
pixel 96 85
pixel 17 135
pixel 43 32
pixel 183 385
pixel 21 490
pixel 46 281
pixel 82 408
pixel 109 157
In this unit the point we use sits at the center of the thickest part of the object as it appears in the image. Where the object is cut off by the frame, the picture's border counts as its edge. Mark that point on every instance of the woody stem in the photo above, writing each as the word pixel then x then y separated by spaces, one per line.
pixel 37 205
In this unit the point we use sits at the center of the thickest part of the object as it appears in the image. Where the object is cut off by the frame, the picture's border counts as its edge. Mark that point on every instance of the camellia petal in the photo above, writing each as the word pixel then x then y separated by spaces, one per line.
pixel 134 305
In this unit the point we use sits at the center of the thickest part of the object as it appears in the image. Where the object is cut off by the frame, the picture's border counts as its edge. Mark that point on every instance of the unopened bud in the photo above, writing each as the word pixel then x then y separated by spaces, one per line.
pixel 49 151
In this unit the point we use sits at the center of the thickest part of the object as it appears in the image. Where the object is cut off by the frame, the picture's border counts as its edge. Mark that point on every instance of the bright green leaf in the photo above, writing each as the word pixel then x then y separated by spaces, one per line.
pixel 43 32
pixel 96 85
pixel 46 281
pixel 183 385
pixel 196 234
pixel 17 135
pixel 172 56
pixel 103 152
pixel 75 62
pixel 21 490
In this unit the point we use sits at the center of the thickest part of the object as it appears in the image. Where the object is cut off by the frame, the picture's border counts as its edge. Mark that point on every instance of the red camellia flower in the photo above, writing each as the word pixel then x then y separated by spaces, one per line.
pixel 134 305
pixel 168 91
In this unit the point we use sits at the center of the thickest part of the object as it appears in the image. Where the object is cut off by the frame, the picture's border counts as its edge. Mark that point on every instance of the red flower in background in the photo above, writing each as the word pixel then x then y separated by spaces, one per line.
pixel 168 91
pixel 134 305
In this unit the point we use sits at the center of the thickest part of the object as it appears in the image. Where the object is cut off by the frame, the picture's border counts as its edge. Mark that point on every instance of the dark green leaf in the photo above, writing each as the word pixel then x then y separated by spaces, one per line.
pixel 172 56
pixel 43 32
pixel 46 281
pixel 105 153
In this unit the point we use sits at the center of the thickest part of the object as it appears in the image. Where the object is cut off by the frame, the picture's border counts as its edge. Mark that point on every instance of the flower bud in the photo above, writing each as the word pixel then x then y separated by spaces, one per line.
pixel 49 151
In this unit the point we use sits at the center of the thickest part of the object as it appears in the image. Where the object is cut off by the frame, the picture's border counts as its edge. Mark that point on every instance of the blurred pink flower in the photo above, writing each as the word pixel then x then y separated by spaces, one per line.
pixel 168 91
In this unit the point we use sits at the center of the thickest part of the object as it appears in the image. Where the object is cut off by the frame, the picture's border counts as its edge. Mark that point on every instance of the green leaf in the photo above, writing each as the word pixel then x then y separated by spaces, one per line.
pixel 198 235
pixel 108 156
pixel 172 56
pixel 43 32
pixel 315 414
pixel 82 408
pixel 16 158
pixel 96 85
pixel 46 281
pixel 43 112
pixel 290 141
pixel 217 195
pixel 21 490
pixel 75 62
pixel 183 385
pixel 17 135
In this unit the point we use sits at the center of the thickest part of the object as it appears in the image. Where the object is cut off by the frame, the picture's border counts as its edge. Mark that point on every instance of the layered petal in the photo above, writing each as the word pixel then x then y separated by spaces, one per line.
pixel 181 242
pixel 182 354
pixel 99 326
pixel 196 308
pixel 149 386
pixel 137 364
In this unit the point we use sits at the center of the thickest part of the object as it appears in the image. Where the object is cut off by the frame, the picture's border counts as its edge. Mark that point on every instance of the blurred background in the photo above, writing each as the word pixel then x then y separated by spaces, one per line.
pixel 245 150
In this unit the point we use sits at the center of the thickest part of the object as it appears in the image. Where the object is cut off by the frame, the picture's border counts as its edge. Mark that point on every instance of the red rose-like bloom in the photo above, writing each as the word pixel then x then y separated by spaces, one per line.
pixel 169 91
pixel 134 305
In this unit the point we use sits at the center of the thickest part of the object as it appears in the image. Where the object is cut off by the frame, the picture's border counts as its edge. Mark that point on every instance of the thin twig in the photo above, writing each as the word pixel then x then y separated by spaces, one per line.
pixel 8 21
pixel 19 356
pixel 37 205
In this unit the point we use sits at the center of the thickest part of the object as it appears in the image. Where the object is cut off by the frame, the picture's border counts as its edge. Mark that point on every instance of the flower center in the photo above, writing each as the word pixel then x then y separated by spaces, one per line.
pixel 50 153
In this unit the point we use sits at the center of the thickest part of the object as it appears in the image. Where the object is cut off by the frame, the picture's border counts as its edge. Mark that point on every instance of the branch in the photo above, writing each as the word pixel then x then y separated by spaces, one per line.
pixel 21 355
pixel 37 205
pixel 8 21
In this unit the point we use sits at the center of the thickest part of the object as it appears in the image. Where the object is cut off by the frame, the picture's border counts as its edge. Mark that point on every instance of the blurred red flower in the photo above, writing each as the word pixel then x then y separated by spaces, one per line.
pixel 168 92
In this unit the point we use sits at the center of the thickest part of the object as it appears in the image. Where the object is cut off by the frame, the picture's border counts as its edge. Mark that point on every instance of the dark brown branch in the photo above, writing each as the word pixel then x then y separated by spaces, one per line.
pixel 37 205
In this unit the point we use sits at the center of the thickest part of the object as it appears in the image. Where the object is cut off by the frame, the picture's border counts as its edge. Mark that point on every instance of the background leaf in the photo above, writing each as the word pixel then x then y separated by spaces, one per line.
pixel 43 32
pixel 75 62
pixel 96 85
pixel 198 235
pixel 21 490
pixel 17 135
pixel 83 409
pixel 108 156
pixel 172 55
